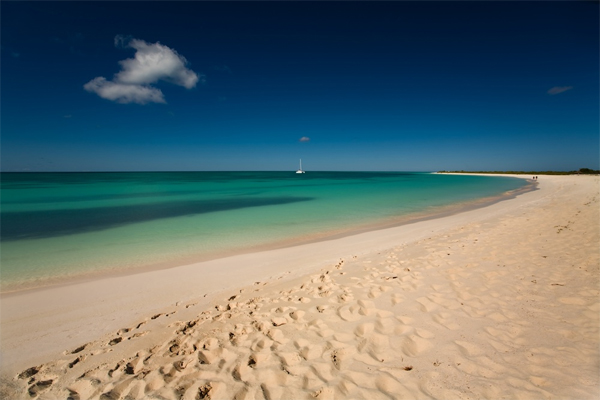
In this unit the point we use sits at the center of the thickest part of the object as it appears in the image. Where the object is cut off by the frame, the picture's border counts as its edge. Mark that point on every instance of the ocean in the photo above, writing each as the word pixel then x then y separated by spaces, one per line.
pixel 58 227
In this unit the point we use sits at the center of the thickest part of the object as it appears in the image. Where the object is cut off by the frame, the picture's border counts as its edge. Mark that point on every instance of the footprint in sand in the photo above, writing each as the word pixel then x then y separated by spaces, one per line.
pixel 427 305
pixel 392 387
pixel 76 361
pixel 397 298
pixel 323 371
pixel 445 320
pixel 40 387
pixel 342 358
pixel 28 373
pixel 364 329
pixel 386 326
pixel 413 345
pixel 377 346
pixel 82 389
pixel 349 312
pixel 79 349
pixel 114 341
pixel 367 307
pixel 469 349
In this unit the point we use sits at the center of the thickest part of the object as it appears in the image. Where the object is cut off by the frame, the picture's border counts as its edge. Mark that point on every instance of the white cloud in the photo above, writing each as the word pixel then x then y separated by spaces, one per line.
pixel 123 92
pixel 559 89
pixel 152 62
pixel 304 139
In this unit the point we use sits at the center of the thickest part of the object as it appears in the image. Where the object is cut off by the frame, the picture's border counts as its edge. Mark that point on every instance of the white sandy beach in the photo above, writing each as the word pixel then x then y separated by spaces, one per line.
pixel 498 302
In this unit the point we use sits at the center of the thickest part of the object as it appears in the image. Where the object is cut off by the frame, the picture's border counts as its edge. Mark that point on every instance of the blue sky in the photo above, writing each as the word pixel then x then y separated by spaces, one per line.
pixel 413 86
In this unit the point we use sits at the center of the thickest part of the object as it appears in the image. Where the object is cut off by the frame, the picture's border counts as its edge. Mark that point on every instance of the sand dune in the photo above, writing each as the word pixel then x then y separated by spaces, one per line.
pixel 502 302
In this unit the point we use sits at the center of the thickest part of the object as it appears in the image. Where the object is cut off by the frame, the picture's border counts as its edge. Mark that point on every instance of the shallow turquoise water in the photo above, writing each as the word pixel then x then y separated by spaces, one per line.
pixel 57 226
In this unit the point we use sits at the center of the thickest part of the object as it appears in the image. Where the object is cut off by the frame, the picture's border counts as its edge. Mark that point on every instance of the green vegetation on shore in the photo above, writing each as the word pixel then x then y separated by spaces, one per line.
pixel 581 171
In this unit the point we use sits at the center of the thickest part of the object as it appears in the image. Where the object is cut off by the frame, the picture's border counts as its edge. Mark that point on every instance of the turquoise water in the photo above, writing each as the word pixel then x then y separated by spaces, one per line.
pixel 59 226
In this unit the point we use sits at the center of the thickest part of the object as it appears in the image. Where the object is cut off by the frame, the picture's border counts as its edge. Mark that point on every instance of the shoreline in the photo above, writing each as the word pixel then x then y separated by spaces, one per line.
pixel 87 288
pixel 38 327
pixel 387 223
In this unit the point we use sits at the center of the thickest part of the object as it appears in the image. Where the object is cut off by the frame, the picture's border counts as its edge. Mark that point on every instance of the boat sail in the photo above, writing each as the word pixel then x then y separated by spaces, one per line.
pixel 300 171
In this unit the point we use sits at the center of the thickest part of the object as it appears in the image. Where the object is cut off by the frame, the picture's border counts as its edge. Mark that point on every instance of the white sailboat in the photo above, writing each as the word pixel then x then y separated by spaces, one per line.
pixel 300 171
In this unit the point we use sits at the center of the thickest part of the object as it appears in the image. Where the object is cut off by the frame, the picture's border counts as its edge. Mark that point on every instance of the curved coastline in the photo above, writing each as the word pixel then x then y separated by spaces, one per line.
pixel 172 281
pixel 432 212
pixel 47 324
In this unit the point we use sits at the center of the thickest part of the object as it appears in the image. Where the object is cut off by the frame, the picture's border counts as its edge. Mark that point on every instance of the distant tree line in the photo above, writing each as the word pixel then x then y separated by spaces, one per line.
pixel 581 171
